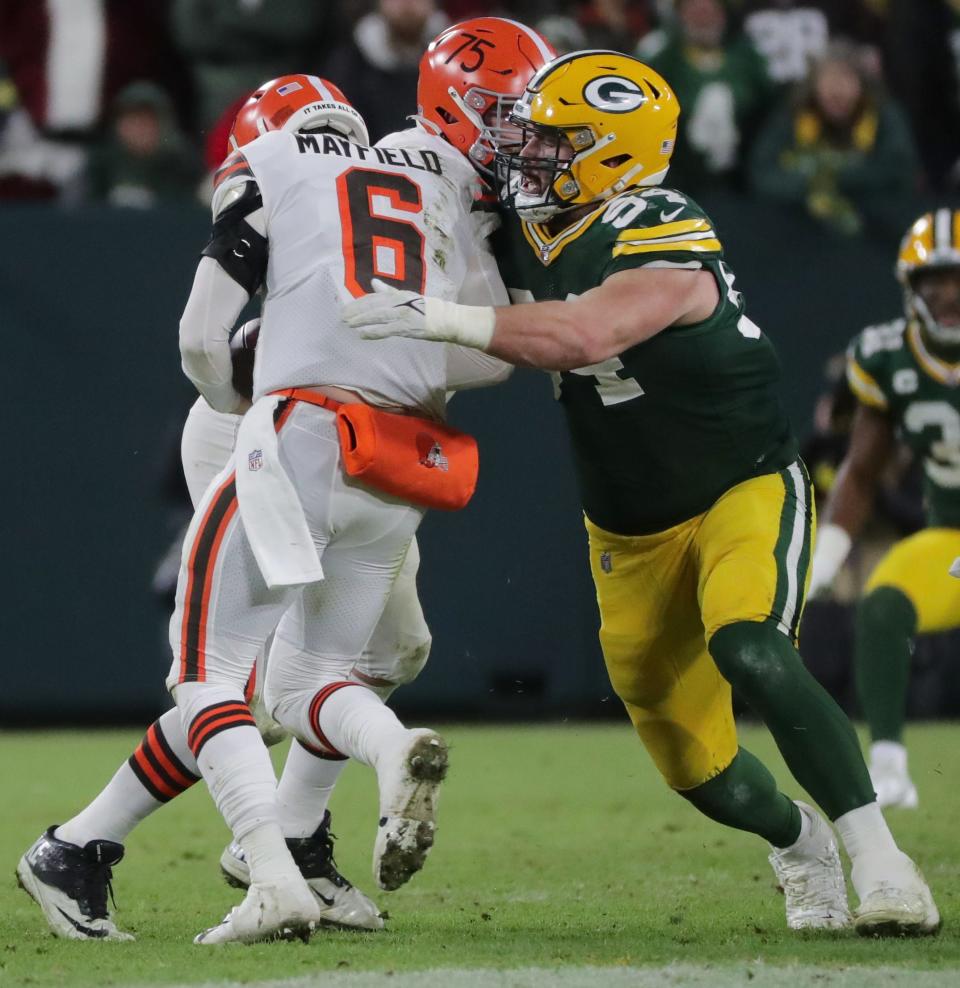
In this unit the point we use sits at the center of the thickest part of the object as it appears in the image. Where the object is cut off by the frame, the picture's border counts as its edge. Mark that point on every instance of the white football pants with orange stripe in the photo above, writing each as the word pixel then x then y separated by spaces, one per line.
pixel 225 612
pixel 400 645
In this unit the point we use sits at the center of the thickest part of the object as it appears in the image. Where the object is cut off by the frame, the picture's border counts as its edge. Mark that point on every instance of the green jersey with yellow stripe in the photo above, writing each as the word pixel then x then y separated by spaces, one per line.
pixel 665 428
pixel 890 368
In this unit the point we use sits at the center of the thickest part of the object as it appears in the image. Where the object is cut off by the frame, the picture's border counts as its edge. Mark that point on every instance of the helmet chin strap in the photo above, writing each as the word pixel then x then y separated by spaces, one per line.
pixel 537 211
pixel 942 335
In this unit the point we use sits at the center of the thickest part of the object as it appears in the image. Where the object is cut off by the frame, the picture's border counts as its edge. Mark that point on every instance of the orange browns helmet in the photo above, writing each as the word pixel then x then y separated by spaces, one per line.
pixel 471 67
pixel 296 102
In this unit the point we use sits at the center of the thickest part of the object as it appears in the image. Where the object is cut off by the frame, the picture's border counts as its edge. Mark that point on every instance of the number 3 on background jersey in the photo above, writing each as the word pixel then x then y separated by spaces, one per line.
pixel 376 245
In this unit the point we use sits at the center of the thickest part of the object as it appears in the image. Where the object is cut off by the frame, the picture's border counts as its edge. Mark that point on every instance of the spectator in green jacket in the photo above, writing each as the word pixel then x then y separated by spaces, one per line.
pixel 145 161
pixel 723 87
pixel 842 152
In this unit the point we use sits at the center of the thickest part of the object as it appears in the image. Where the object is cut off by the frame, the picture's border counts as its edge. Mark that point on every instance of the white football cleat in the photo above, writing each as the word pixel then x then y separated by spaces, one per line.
pixel 340 903
pixel 70 884
pixel 811 876
pixel 269 912
pixel 889 776
pixel 895 900
pixel 409 790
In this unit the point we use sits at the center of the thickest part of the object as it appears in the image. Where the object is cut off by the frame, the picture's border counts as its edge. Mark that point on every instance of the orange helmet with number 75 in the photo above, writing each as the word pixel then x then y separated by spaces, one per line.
pixel 470 77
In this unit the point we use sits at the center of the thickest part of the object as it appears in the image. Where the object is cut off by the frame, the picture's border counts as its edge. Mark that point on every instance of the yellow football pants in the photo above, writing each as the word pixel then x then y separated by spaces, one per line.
pixel 663 596
pixel 918 567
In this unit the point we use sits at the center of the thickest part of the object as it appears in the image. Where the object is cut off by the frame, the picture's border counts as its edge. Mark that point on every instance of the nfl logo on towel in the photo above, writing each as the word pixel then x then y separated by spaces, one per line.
pixel 255 460
pixel 606 562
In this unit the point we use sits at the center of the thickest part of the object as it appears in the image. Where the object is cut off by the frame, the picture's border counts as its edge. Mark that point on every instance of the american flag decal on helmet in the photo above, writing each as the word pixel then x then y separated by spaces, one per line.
pixel 290 87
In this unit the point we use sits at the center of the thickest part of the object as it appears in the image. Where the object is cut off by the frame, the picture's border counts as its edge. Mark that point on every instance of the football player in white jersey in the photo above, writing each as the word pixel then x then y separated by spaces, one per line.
pixel 456 95
pixel 311 216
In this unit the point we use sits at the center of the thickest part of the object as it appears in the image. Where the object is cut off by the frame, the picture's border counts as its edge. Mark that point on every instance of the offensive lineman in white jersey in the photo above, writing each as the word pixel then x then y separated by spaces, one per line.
pixel 163 765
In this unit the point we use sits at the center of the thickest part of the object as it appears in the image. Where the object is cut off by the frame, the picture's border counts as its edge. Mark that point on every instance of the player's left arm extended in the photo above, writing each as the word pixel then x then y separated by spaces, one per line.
pixel 627 308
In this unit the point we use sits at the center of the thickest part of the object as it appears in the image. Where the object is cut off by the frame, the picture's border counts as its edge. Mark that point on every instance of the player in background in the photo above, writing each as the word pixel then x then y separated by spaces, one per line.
pixel 906 376
pixel 698 510
pixel 456 95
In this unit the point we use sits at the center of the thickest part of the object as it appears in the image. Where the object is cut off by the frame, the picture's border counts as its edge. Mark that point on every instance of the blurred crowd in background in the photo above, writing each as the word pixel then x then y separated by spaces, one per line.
pixel 845 109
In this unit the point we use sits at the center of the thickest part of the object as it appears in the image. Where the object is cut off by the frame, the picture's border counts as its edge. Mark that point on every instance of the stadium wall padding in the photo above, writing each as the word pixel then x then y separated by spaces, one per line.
pixel 94 395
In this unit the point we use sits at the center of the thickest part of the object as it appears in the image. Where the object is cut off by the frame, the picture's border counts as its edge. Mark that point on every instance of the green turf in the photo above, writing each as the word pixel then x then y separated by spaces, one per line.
pixel 558 846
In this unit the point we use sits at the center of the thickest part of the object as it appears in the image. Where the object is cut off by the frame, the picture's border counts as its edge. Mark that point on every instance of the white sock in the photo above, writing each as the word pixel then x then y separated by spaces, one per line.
pixel 304 790
pixel 267 854
pixel 865 833
pixel 160 768
pixel 357 723
pixel 889 754
pixel 806 828
pixel 235 764
pixel 114 812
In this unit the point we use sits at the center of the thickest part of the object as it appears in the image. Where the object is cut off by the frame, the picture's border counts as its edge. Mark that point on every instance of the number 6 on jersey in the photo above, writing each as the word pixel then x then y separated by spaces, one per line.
pixel 376 244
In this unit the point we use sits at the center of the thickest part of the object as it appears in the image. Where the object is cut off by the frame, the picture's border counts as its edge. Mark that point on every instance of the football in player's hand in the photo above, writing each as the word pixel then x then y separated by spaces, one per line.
pixel 243 345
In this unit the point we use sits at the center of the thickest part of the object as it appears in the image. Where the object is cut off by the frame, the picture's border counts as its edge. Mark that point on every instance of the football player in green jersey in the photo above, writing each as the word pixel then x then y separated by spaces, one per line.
pixel 906 375
pixel 698 511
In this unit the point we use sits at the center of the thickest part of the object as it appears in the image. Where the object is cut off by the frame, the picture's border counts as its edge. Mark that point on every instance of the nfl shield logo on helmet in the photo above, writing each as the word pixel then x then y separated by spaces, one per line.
pixel 606 562
pixel 255 460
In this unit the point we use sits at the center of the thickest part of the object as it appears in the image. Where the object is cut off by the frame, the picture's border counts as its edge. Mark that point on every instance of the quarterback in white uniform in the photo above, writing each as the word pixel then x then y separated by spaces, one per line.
pixel 163 765
pixel 313 216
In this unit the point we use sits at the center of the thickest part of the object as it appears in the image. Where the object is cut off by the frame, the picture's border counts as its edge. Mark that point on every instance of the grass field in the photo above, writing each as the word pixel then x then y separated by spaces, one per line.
pixel 561 860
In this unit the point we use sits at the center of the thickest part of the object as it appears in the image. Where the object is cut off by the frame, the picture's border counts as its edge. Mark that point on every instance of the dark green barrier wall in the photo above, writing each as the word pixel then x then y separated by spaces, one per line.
pixel 93 394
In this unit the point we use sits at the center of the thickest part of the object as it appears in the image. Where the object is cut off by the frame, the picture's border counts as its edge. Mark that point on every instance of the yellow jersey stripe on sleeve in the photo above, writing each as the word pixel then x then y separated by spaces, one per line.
pixel 665 230
pixel 864 386
pixel 699 246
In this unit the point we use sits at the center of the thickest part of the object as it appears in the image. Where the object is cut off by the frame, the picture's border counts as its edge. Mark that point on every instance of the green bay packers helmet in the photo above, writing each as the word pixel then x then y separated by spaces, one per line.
pixel 619 117
pixel 932 242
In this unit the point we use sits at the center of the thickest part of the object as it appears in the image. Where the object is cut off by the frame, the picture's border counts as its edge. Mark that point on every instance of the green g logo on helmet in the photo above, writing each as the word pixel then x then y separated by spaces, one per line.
pixel 614 94
pixel 614 117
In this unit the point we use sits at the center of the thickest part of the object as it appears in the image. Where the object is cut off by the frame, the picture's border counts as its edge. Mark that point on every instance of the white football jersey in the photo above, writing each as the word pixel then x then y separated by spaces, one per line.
pixel 337 216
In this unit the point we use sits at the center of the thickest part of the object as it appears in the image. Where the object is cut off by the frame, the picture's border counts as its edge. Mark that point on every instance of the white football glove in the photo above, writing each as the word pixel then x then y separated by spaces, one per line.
pixel 390 312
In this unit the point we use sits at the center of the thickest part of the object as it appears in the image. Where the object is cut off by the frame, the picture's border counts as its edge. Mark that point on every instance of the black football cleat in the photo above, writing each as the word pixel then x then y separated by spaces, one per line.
pixel 70 884
pixel 340 903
